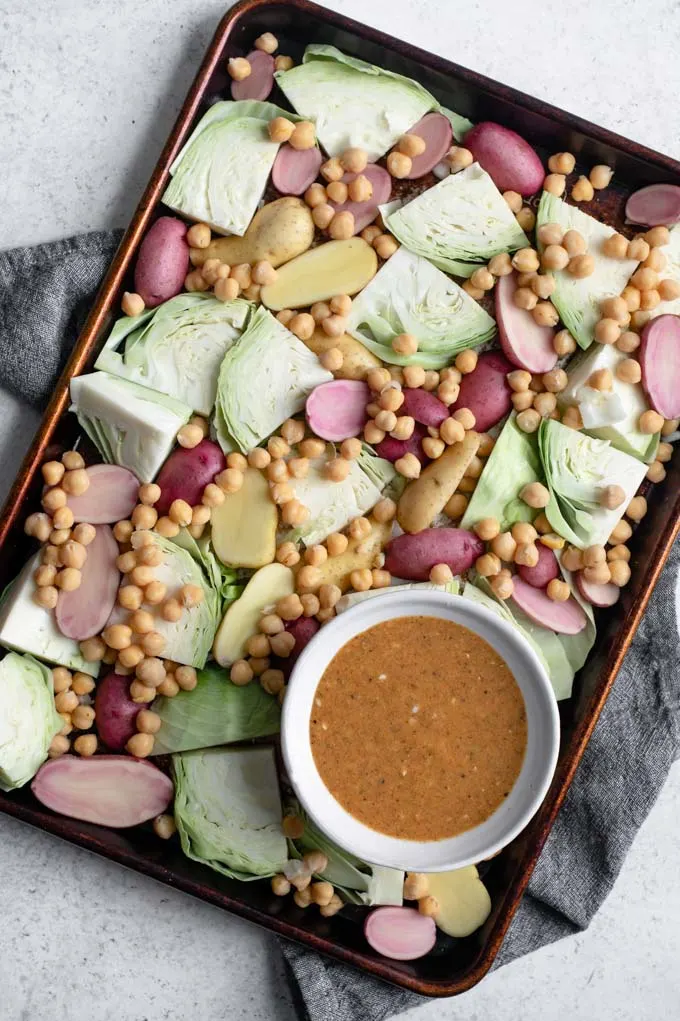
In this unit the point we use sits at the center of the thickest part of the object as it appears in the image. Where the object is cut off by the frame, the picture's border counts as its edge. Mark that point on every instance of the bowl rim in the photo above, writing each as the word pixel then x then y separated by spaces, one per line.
pixel 360 839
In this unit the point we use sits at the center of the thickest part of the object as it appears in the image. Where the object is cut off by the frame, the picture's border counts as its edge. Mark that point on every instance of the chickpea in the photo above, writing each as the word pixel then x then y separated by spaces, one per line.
pixel 302 325
pixel 607 331
pixel 433 447
pixel 452 430
pixel 399 165
pixel 456 506
pixel 39 526
pixel 525 298
pixel 581 266
pixel 543 286
pixel 289 607
pixel 555 184
pixel 618 553
pixel 341 228
pixel 535 495
pixel 337 192
pixel 58 746
pixel 519 380
pixel 526 260
pixel 503 546
pixel 487 565
pixel 628 342
pixel 545 404
pixel 130 597
pixel 554 257
pixel 359 528
pixel 361 580
pixel 620 533
pixel 670 426
pixel 612 497
pixel 93 649
pixel 655 261
pixel 280 129
pixel 526 218
pixel 303 135
pixel 638 249
pixel 636 509
pixel 526 554
pixel 583 190
pixel 558 590
pixel 529 420
pixel 58 536
pixel 600 176
pixel 656 472
pixel 523 532
pixel 562 163
pixel 545 314
pixel 180 512
pixel 619 572
pixel 649 300
pixel 82 717
pixel 167 528
pixel 615 246
pixel 599 574
pixel 664 452
pixel 409 466
pixel 487 529
pixel 385 246
pixel 283 63
pixel 130 657
pixel 650 422
pixel 332 359
pixel 66 701
pixel 53 499
pixel 459 158
pixel 668 290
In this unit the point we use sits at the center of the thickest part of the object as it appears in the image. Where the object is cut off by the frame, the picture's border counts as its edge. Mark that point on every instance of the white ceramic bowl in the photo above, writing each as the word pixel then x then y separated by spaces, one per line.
pixel 539 761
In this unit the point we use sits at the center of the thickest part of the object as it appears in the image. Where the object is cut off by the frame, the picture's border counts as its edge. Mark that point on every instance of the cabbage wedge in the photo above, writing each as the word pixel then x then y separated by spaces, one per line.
pixel 216 712
pixel 621 427
pixel 176 348
pixel 221 173
pixel 129 424
pixel 578 299
pixel 228 811
pixel 410 295
pixel 513 463
pixel 353 103
pixel 264 379
pixel 28 719
pixel 459 223
pixel 577 468
pixel 332 505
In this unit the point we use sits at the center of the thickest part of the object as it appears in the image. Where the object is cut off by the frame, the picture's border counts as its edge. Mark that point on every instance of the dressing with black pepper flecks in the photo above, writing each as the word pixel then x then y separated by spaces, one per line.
pixel 418 728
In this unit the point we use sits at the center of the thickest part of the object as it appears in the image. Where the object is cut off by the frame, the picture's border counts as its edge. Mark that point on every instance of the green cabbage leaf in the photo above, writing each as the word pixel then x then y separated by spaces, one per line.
pixel 28 719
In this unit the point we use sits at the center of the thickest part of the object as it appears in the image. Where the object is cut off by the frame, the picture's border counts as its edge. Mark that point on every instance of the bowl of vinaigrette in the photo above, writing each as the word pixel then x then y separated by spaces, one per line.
pixel 420 731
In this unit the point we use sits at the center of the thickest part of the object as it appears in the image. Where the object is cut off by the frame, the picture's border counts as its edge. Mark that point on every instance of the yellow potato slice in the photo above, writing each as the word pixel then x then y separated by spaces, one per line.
pixel 464 902
pixel 244 526
pixel 239 623
pixel 279 231
pixel 357 359
pixel 427 495
pixel 336 570
pixel 336 267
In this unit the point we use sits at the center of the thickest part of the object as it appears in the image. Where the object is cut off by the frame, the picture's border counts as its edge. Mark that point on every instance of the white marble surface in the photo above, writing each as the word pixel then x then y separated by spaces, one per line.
pixel 88 92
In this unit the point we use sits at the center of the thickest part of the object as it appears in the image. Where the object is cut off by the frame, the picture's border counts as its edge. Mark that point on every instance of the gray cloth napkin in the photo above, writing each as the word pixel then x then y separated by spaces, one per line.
pixel 44 292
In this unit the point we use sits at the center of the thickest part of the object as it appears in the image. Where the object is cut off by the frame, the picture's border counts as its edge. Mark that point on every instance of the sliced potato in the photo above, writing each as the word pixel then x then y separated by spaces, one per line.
pixel 279 231
pixel 427 495
pixel 336 570
pixel 336 267
pixel 357 360
pixel 464 902
pixel 244 526
pixel 239 623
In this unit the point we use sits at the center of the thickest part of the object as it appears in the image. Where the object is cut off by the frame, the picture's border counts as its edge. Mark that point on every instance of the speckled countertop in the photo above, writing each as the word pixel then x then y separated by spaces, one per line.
pixel 88 92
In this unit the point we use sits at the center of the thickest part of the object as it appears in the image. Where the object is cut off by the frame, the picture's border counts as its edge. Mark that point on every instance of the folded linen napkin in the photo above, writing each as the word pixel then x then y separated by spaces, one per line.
pixel 44 294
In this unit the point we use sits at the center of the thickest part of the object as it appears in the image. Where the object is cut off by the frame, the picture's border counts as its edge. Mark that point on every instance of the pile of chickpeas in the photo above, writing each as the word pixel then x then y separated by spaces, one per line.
pixel 562 164
pixel 416 887
pixel 298 875
pixel 72 700
pixel 64 551
pixel 331 316
pixel 240 68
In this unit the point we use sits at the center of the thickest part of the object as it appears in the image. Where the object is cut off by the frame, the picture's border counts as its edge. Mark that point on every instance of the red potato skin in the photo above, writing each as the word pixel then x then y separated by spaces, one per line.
pixel 186 473
pixel 660 364
pixel 485 390
pixel 412 557
pixel 163 261
pixel 336 410
pixel 424 407
pixel 110 497
pixel 109 790
pixel 508 159
pixel 260 81
pixel 366 212
pixel 116 712
pixel 392 449
pixel 597 595
pixel 435 130
pixel 303 630
pixel 400 933
pixel 545 571
pixel 295 169
pixel 83 612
